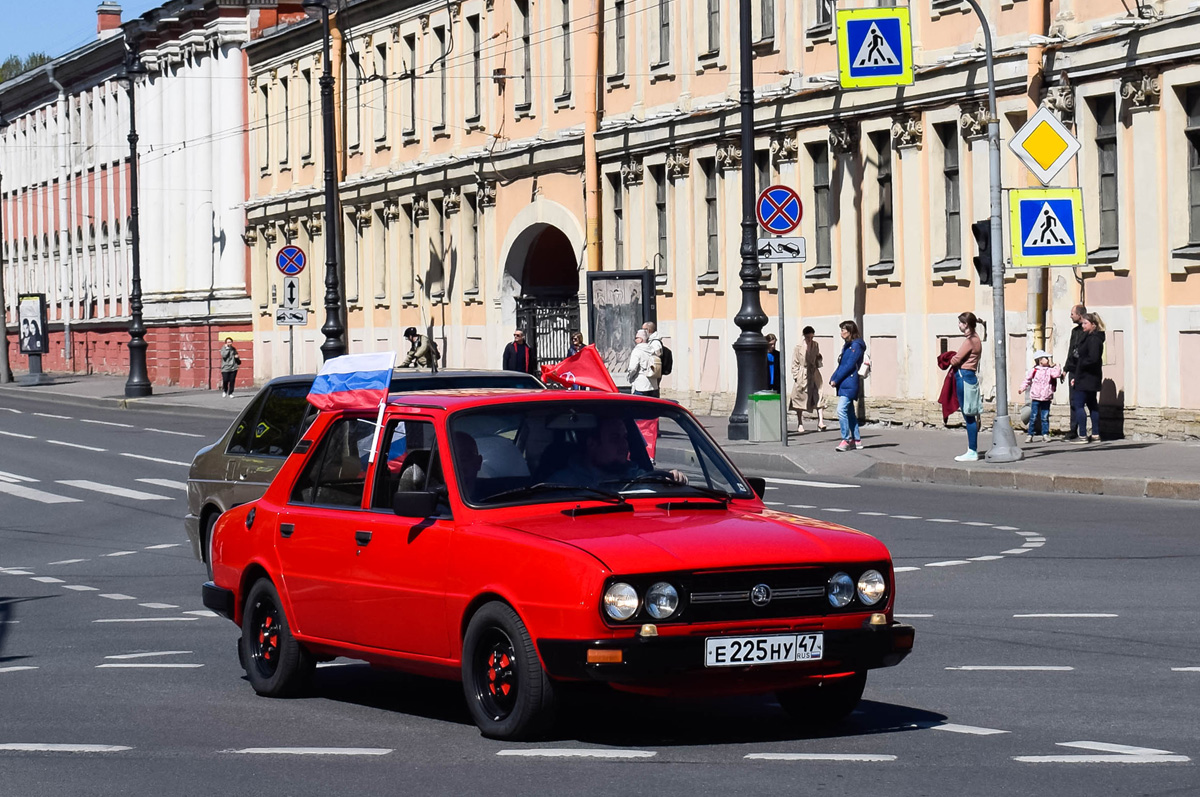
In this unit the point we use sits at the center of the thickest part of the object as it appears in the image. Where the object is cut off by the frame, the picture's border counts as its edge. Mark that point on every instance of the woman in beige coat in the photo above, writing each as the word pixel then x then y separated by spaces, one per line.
pixel 806 375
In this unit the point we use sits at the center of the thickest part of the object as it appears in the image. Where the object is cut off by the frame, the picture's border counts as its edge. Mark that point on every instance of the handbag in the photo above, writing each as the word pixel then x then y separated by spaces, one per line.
pixel 972 399
pixel 864 370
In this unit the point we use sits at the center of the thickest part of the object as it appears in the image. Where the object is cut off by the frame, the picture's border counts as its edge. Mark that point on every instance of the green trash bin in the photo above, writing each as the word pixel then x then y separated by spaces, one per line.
pixel 764 417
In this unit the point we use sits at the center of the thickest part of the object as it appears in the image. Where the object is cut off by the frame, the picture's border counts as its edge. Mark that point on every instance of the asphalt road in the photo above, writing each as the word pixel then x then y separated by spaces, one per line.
pixel 1056 653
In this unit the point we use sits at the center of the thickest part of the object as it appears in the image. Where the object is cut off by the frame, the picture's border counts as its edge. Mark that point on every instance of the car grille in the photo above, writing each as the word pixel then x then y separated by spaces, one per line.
pixel 794 592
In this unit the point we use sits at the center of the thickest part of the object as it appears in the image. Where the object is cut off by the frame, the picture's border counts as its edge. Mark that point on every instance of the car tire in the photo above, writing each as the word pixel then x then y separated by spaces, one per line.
pixel 508 693
pixel 210 522
pixel 276 664
pixel 825 704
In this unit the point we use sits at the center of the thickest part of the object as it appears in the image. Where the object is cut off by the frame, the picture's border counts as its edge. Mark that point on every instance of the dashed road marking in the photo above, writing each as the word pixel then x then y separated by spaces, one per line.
pixel 773 503
pixel 967 729
pixel 55 417
pixel 1033 545
pixel 148 654
pixel 905 517
pixel 156 459
pixel 120 553
pixel 347 751
pixel 1012 668
pixel 170 484
pixel 48 579
pixel 17 669
pixel 164 545
pixel 905 569
pixel 68 561
pixel 36 747
pixel 202 613
pixel 109 489
pixel 1006 528
pixel 159 605
pixel 21 436
pixel 75 445
pixel 913 616
pixel 172 431
pixel 988 558
pixel 41 496
pixel 1109 754
pixel 1016 551
pixel 1075 615
pixel 117 596
pixel 948 563
pixel 874 514
pixel 107 423
pixel 802 483
pixel 857 757
pixel 549 752
pixel 801 506
pixel 17 572
pixel 145 619
pixel 835 509
pixel 148 666
pixel 942 520
pixel 1185 669
pixel 80 588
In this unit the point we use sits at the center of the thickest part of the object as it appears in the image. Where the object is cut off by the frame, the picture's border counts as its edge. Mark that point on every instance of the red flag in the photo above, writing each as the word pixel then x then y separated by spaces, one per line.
pixel 585 368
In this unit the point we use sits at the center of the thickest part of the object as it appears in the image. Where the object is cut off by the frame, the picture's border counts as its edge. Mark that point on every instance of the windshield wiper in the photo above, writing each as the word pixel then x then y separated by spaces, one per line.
pixel 601 495
pixel 660 478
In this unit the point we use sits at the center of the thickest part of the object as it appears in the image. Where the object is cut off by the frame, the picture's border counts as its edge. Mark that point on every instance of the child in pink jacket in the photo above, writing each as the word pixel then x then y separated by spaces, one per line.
pixel 1041 381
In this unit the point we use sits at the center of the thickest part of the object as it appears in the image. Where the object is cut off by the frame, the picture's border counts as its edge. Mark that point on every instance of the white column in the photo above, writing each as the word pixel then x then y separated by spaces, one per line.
pixel 229 172
pixel 199 197
pixel 155 199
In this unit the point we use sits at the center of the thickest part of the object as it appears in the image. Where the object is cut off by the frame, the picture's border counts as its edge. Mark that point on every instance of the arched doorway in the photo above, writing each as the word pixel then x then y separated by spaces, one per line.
pixel 543 268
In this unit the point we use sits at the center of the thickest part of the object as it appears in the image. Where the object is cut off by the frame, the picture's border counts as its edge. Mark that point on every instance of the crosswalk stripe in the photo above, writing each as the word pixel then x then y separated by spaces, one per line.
pixel 14 477
pixel 121 492
pixel 40 496
pixel 117 596
pixel 80 588
pixel 170 484
pixel 48 579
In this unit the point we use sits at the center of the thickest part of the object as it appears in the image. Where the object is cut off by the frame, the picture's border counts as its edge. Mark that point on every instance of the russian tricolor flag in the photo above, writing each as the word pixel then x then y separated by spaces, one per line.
pixel 353 381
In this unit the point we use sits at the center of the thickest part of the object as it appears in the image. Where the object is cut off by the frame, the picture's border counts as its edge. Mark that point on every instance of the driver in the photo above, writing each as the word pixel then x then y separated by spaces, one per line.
pixel 605 458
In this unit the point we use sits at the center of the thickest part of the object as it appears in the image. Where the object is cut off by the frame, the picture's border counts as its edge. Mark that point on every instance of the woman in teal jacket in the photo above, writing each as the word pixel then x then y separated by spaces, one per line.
pixel 847 383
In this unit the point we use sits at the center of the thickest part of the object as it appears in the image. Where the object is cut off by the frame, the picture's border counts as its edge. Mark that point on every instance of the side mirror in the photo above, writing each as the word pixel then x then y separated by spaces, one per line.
pixel 418 505
pixel 758 484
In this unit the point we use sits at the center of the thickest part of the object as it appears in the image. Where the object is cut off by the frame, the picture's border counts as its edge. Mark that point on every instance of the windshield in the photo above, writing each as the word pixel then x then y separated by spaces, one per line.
pixel 586 450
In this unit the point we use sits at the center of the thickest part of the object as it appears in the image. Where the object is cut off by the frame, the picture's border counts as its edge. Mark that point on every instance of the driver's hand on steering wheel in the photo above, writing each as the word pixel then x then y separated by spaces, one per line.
pixel 678 476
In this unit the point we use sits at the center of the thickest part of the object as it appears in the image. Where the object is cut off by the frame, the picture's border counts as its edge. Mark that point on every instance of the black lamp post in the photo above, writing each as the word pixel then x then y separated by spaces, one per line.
pixel 334 345
pixel 751 346
pixel 138 384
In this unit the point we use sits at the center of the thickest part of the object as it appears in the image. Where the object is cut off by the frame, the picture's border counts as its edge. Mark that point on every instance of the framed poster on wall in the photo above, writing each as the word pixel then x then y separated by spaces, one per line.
pixel 31 311
pixel 619 302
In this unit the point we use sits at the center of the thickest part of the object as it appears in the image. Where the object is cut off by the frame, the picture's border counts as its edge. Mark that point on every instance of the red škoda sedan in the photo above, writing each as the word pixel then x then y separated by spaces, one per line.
pixel 524 541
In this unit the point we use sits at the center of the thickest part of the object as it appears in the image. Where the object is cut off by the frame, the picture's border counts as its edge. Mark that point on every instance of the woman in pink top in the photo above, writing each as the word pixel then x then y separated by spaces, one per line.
pixel 966 363
pixel 1040 382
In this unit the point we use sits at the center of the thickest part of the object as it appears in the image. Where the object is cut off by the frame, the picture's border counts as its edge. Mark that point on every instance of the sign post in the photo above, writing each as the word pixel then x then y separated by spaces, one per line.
pixel 291 261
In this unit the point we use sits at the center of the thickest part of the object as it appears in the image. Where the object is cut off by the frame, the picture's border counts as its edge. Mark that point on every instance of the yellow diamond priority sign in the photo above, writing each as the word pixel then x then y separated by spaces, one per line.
pixel 1044 145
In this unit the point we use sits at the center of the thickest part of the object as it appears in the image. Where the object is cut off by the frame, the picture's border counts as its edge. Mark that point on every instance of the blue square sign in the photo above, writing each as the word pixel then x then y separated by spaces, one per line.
pixel 1047 226
pixel 876 47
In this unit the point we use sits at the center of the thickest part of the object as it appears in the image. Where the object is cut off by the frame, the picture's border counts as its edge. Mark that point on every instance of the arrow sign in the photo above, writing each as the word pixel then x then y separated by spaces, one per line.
pixel 291 293
pixel 1108 754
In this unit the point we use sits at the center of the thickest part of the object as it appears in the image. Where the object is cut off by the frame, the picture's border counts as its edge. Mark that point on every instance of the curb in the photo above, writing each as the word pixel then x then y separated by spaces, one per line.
pixel 113 402
pixel 1030 481
pixel 767 463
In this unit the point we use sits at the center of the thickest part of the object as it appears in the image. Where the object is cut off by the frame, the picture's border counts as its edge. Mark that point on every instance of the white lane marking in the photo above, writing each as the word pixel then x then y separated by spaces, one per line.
pixel 159 605
pixel 905 517
pixel 48 579
pixel 107 423
pixel 148 654
pixel 16 669
pixel 834 509
pixel 14 434
pixel 108 489
pixel 68 561
pixel 41 496
pixel 9 622
pixel 975 523
pixel 874 514
pixel 801 506
pixel 1006 528
pixel 34 747
pixel 156 459
pixel 1035 539
pixel 145 619
pixel 861 757
pixel 1024 533
pixel 120 553
pixel 967 729
pixel 773 503
pixel 148 666
pixel 1173 669
pixel 551 752
pixel 170 484
pixel 81 588
pixel 14 477
pixel 374 751
pixel 10 409
pixel 948 563
pixel 202 613
pixel 1016 551
pixel 905 569
pixel 338 663
pixel 802 483
pixel 1110 754
pixel 14 572
pixel 171 431
pixel 942 520
pixel 1033 545
pixel 75 445
pixel 1108 747
pixel 165 545
pixel 988 558
pixel 117 596
pixel 912 616
pixel 1012 668
pixel 55 417
pixel 1079 615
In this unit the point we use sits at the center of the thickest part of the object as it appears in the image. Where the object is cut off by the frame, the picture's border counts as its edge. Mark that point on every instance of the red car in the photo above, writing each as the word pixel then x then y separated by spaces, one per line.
pixel 524 541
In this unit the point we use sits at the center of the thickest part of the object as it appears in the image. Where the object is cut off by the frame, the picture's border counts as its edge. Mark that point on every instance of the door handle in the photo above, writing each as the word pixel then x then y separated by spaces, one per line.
pixel 362 537
pixel 286 529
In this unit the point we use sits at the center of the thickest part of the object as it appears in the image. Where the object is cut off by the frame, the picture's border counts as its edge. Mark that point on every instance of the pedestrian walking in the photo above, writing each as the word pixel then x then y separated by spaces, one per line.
pixel 230 362
pixel 966 383
pixel 654 337
pixel 806 374
pixel 645 367
pixel 520 356
pixel 1087 378
pixel 420 350
pixel 576 344
pixel 1069 368
pixel 773 373
pixel 847 383
pixel 1041 381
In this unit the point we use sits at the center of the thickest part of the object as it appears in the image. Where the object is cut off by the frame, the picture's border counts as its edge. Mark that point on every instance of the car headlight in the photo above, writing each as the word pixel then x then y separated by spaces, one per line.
pixel 840 590
pixel 662 600
pixel 620 601
pixel 871 587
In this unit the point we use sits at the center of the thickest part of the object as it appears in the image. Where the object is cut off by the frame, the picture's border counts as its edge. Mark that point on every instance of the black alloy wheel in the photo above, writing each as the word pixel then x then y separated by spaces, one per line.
pixel 276 664
pixel 508 693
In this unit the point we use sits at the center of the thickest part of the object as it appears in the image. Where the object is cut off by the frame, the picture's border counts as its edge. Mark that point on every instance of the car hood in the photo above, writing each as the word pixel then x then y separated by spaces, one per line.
pixel 654 540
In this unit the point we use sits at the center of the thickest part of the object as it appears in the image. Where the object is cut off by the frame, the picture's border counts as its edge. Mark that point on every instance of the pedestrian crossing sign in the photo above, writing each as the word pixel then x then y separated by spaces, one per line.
pixel 1046 225
pixel 874 47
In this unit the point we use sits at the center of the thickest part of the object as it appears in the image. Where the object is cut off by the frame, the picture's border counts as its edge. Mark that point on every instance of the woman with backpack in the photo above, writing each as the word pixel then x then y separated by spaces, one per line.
pixel 847 383
pixel 645 367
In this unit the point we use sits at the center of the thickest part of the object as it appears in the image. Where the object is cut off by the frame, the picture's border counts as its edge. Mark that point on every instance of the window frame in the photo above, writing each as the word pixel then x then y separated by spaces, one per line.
pixel 1109 218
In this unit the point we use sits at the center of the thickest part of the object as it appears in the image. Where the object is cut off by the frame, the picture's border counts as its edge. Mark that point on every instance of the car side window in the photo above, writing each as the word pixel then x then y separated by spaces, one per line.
pixel 336 474
pixel 281 421
pixel 243 432
pixel 409 462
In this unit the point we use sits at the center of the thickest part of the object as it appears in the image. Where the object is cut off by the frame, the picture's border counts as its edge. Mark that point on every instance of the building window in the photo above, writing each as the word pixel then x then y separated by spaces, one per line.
pixel 437 250
pixel 712 223
pixel 439 33
pixel 822 210
pixel 476 67
pixel 264 133
pixel 410 254
pixel 307 85
pixel 1192 108
pixel 662 224
pixel 883 182
pixel 285 123
pixel 619 31
pixel 410 54
pixel 762 176
pixel 566 48
pixel 354 113
pixel 380 111
pixel 664 31
pixel 823 14
pixel 618 205
pixel 714 26
pixel 526 54
pixel 948 135
pixel 767 9
pixel 472 202
pixel 1104 110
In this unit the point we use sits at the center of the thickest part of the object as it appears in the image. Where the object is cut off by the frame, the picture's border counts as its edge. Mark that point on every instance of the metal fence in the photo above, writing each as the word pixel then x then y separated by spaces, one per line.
pixel 548 324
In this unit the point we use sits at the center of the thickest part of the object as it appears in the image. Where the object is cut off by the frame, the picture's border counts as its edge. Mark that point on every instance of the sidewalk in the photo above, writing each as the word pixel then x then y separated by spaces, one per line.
pixel 1130 468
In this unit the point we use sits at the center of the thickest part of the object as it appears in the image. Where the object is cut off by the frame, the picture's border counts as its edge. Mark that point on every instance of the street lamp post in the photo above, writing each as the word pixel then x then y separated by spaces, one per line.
pixel 334 345
pixel 138 384
pixel 751 346
pixel 1004 442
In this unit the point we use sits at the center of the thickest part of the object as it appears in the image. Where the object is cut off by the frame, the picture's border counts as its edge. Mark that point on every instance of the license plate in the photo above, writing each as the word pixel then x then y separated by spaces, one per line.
pixel 739 651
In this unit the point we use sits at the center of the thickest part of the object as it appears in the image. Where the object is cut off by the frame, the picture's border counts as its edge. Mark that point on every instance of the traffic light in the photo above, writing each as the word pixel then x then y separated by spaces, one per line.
pixel 982 230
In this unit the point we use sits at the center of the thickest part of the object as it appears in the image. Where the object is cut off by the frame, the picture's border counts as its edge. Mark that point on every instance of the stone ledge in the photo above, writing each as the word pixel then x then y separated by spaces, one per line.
pixel 1162 488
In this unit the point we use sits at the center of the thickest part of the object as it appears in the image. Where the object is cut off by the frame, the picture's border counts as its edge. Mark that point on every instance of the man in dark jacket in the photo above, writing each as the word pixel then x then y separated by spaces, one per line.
pixel 1071 366
pixel 520 356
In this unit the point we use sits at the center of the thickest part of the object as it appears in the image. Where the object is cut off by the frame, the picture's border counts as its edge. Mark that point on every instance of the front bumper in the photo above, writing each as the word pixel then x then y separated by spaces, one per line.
pixel 219 599
pixel 652 661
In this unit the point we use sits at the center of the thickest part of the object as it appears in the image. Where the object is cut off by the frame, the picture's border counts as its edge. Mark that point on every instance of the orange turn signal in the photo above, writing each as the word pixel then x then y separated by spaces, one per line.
pixel 602 656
